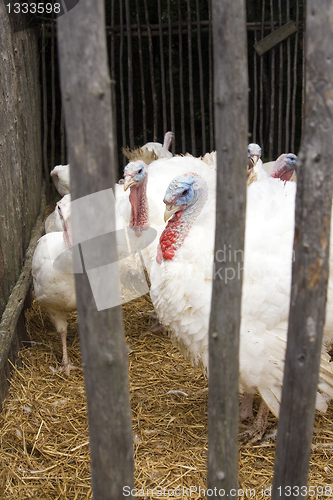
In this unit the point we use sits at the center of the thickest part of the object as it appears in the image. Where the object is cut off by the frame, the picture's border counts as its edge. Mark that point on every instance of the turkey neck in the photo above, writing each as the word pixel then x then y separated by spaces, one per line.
pixel 67 233
pixel 140 211
pixel 177 229
pixel 283 170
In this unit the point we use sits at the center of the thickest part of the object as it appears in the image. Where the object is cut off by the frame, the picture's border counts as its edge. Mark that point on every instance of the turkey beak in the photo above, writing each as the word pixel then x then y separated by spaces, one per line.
pixel 169 211
pixel 255 159
pixel 128 182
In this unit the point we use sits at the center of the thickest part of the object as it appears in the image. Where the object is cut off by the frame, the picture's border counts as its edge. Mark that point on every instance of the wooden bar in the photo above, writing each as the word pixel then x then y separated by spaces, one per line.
pixel 287 121
pixel 311 265
pixel 261 87
pixel 181 81
pixel 152 74
pixel 190 71
pixel 272 110
pixel 53 108
pixel 45 122
pixel 171 81
pixel 231 129
pixel 251 26
pixel 112 43
pixel 113 89
pixel 62 137
pixel 164 98
pixel 121 81
pixel 211 104
pixel 276 37
pixel 12 329
pixel 142 77
pixel 201 80
pixel 279 145
pixel 293 106
pixel 130 76
pixel 91 150
pixel 303 71
pixel 255 93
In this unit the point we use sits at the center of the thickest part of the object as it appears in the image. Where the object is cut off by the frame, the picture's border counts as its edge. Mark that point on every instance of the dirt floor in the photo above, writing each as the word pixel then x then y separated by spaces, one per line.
pixel 44 444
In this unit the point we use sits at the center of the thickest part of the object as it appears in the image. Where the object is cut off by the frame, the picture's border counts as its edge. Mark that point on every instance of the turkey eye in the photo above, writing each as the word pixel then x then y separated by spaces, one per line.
pixel 140 171
pixel 184 193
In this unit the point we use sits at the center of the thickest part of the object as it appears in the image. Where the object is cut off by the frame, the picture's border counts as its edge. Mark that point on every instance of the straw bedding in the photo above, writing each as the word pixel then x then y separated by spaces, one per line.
pixel 43 427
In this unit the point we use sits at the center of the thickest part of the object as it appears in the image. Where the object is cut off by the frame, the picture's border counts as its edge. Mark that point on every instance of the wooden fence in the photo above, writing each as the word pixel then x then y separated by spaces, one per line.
pixel 20 180
pixel 161 55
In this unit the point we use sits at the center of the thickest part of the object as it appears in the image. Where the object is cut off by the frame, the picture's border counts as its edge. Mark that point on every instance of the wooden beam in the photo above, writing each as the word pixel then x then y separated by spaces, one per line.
pixel 15 304
pixel 231 126
pixel 311 266
pixel 274 38
pixel 85 86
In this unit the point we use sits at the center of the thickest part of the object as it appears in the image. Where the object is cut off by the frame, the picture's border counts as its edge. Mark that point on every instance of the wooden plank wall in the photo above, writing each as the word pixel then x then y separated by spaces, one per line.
pixel 20 148
pixel 161 64
pixel 20 181
pixel 161 60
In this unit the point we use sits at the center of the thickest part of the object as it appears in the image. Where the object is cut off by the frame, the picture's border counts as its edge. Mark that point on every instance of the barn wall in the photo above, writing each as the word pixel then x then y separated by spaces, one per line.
pixel 20 147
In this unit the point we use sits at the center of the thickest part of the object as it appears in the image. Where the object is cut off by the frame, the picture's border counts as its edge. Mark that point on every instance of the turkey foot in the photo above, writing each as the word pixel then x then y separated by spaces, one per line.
pixel 258 428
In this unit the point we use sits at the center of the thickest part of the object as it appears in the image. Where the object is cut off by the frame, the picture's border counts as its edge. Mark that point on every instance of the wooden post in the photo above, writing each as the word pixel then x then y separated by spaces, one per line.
pixel 231 126
pixel 310 269
pixel 85 85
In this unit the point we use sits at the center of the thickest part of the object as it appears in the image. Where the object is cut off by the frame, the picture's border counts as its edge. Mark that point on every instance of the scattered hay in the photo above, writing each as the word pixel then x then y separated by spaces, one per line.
pixel 44 433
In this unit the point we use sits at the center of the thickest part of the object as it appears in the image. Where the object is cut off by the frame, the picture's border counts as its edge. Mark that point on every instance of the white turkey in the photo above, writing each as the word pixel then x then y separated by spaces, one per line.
pixel 53 278
pixel 60 176
pixel 181 283
pixel 148 184
pixel 161 150
pixel 53 222
pixel 151 150
pixel 258 170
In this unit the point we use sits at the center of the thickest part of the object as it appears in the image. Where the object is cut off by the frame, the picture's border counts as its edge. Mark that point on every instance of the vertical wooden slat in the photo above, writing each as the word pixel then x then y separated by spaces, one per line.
pixel 190 77
pixel 210 50
pixel 121 78
pixel 142 75
pixel 172 96
pixel 181 77
pixel 164 99
pixel 303 67
pixel 201 82
pixel 231 128
pixel 272 111
pixel 45 122
pixel 287 125
pixel 53 109
pixel 311 265
pixel 261 86
pixel 129 75
pixel 293 112
pixel 279 146
pixel 91 144
pixel 112 43
pixel 152 72
pixel 255 91
pixel 62 137
pixel 113 86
